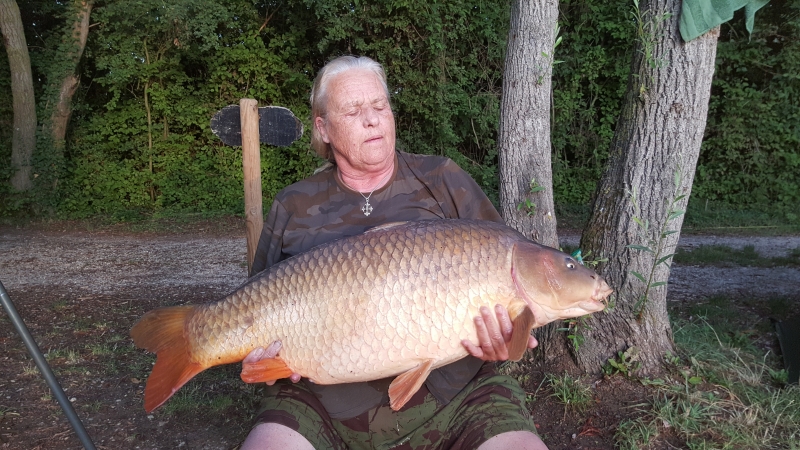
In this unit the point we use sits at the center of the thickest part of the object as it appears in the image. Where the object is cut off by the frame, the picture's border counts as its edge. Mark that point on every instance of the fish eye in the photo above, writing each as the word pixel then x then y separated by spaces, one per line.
pixel 570 263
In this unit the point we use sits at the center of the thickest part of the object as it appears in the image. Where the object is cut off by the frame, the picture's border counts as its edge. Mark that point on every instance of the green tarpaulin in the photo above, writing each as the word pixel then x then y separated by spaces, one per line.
pixel 699 16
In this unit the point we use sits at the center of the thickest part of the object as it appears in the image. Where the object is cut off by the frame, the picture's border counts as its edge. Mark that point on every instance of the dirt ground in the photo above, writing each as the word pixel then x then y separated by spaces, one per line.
pixel 79 290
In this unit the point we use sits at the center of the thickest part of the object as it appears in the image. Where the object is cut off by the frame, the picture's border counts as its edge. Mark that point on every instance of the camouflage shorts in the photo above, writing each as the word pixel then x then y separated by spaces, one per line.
pixel 489 405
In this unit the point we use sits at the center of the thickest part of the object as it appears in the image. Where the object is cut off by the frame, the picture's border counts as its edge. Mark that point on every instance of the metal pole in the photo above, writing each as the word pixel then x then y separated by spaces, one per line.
pixel 41 363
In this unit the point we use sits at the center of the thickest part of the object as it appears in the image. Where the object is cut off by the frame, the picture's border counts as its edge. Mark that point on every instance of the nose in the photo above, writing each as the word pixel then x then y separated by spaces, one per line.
pixel 371 117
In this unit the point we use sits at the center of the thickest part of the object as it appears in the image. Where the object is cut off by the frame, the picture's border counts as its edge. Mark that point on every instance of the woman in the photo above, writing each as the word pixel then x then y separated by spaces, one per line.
pixel 462 405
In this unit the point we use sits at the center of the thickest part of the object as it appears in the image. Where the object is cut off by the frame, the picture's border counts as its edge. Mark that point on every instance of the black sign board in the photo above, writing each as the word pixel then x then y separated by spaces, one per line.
pixel 276 126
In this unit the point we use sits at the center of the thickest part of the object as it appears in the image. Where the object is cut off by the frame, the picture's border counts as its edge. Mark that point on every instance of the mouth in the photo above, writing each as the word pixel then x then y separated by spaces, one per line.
pixel 373 139
pixel 601 292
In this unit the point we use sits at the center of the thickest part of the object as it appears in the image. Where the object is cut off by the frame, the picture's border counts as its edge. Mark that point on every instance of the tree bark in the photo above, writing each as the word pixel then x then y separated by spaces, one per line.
pixel 69 84
pixel 526 179
pixel 24 135
pixel 658 135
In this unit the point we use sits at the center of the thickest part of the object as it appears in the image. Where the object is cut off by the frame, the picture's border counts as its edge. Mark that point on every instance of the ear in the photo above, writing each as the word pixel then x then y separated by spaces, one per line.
pixel 319 124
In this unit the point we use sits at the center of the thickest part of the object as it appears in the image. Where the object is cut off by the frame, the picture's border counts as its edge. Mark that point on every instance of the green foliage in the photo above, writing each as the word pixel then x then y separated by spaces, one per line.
pixel 183 60
pixel 625 363
pixel 750 154
pixel 729 397
pixel 588 88
pixel 528 205
pixel 571 392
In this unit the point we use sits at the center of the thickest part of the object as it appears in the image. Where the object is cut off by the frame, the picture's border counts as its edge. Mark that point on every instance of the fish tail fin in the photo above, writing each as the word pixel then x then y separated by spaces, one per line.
pixel 523 320
pixel 162 331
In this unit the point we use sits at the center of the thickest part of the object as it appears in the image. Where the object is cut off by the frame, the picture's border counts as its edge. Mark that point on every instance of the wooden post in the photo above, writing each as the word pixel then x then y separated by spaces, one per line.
pixel 251 164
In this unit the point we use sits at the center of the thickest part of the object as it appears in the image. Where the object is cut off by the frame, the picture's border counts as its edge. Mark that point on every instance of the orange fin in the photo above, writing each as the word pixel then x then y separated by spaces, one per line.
pixel 407 384
pixel 523 320
pixel 162 331
pixel 269 369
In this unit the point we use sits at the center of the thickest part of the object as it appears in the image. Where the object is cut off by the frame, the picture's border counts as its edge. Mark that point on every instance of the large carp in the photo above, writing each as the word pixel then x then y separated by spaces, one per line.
pixel 396 300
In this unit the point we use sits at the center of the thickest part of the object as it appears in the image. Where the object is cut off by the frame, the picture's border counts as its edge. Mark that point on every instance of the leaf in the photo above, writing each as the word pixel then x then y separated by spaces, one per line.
pixel 639 276
pixel 665 258
pixel 695 380
pixel 678 198
pixel 658 283
pixel 641 247
pixel 674 214
pixel 536 189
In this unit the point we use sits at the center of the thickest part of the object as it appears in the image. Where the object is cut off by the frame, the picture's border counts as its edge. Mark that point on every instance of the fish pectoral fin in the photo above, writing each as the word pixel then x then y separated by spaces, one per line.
pixel 407 384
pixel 269 369
pixel 522 319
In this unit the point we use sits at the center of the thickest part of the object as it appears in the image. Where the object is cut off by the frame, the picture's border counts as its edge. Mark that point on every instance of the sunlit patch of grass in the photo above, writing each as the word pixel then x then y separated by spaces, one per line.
pixel 571 392
pixel 99 349
pixel 30 370
pixel 73 357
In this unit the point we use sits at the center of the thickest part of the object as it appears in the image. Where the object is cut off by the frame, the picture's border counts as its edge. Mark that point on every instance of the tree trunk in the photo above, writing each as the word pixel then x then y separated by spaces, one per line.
pixel 24 135
pixel 526 179
pixel 645 188
pixel 69 84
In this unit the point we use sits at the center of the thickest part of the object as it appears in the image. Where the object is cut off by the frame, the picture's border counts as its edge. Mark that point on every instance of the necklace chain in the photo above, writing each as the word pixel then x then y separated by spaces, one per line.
pixel 367 208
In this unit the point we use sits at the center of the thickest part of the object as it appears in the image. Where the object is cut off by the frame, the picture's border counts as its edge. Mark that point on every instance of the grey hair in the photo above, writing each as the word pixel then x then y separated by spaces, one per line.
pixel 319 100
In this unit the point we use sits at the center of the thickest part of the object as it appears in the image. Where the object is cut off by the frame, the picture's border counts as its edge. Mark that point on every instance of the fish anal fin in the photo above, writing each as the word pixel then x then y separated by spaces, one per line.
pixel 407 384
pixel 163 331
pixel 523 321
pixel 269 369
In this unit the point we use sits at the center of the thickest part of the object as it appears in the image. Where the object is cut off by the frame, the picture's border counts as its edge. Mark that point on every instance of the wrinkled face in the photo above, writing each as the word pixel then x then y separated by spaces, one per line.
pixel 554 284
pixel 358 123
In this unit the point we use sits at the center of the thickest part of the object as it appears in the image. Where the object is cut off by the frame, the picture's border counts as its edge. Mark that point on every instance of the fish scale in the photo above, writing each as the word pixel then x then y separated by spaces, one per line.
pixel 393 300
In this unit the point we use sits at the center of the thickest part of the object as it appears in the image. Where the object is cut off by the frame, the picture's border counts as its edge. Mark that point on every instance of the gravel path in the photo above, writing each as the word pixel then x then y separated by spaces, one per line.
pixel 108 263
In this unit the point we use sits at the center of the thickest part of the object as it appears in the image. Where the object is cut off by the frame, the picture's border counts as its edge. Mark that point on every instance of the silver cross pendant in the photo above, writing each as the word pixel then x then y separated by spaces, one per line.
pixel 366 209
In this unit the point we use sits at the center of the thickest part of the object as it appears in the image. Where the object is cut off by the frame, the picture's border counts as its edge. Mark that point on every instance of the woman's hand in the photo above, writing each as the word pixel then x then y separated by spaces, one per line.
pixel 265 353
pixel 493 335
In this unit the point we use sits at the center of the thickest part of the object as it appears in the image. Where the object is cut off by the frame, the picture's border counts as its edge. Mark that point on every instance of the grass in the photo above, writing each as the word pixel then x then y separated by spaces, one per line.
pixel 729 398
pixel 635 434
pixel 191 398
pixel 702 216
pixel 6 412
pixel 724 256
pixel 571 392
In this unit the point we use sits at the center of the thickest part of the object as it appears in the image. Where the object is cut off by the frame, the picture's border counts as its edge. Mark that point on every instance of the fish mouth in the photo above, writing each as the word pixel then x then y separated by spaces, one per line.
pixel 601 292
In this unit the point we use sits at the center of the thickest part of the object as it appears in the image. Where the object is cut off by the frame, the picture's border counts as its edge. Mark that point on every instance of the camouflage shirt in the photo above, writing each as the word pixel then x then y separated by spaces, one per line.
pixel 321 208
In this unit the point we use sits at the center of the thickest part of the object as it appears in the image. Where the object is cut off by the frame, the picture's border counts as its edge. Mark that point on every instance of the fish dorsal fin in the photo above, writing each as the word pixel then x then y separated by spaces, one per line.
pixel 386 226
pixel 523 320
pixel 269 369
pixel 407 384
